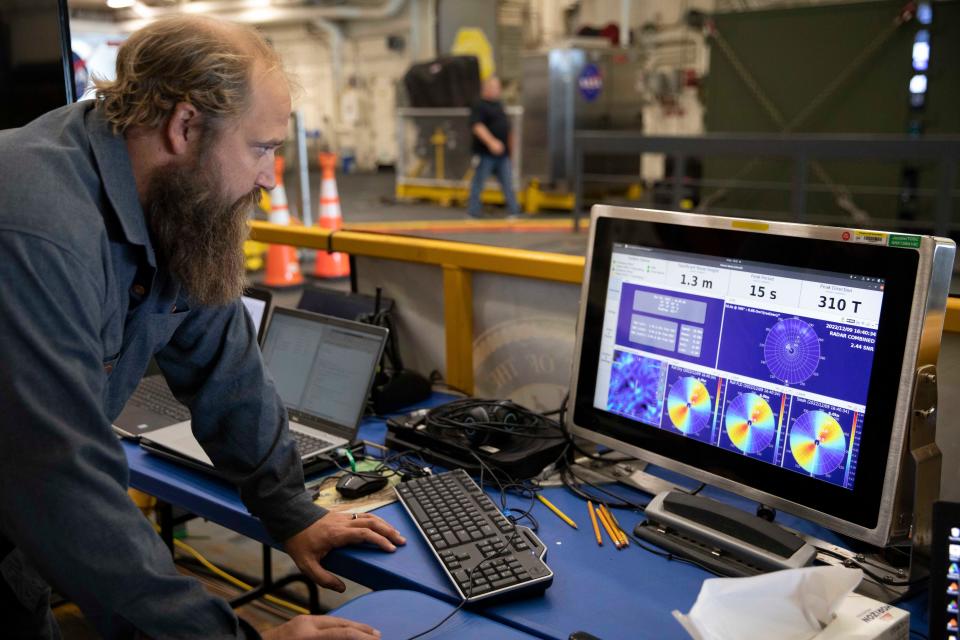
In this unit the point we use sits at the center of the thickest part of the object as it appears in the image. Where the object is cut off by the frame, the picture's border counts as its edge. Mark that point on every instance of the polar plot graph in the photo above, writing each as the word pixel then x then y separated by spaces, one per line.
pixel 689 405
pixel 792 350
pixel 817 442
pixel 750 423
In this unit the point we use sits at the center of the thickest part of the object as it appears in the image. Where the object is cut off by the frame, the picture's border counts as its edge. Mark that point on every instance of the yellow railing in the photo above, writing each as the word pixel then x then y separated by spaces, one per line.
pixel 458 260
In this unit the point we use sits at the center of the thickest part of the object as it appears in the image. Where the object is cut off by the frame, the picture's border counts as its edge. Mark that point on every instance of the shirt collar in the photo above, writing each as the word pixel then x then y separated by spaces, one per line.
pixel 116 174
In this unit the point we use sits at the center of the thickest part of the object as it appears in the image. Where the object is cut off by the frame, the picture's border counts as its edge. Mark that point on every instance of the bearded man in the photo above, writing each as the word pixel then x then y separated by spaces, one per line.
pixel 121 225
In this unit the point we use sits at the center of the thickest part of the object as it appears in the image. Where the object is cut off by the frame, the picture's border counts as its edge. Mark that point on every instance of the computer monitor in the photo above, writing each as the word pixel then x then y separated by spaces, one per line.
pixel 36 65
pixel 775 360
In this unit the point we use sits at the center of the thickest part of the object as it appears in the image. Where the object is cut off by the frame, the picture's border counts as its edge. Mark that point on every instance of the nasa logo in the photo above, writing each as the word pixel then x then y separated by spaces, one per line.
pixel 590 82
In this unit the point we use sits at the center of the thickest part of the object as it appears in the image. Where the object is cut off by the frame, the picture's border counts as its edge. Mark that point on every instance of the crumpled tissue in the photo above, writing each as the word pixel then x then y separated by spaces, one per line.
pixel 793 604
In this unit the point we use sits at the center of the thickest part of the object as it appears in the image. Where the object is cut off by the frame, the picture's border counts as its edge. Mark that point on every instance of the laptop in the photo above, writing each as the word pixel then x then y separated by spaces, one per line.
pixel 153 406
pixel 945 572
pixel 323 368
pixel 258 303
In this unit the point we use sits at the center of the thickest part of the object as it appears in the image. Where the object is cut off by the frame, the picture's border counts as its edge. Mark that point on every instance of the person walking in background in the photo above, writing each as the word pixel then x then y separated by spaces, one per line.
pixel 492 143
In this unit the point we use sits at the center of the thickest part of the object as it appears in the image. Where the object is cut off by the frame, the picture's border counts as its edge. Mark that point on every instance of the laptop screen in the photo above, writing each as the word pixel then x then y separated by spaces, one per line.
pixel 256 310
pixel 322 366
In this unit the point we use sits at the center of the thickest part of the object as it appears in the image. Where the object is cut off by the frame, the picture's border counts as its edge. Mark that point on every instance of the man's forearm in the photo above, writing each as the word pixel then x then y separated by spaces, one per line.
pixel 482 132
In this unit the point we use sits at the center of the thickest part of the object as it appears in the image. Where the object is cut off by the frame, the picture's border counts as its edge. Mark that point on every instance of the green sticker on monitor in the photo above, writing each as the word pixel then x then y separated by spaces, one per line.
pixel 909 242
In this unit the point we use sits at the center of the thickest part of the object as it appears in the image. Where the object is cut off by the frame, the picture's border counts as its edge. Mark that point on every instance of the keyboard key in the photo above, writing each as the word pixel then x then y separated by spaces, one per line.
pixel 476 544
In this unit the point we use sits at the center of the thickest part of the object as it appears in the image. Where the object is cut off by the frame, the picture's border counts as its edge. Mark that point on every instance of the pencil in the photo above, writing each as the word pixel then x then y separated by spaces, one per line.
pixel 560 514
pixel 609 528
pixel 616 525
pixel 593 519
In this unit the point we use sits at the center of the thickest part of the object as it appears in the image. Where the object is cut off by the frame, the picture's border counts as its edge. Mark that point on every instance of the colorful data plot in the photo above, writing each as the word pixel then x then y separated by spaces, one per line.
pixel 637 387
pixel 792 350
pixel 750 422
pixel 817 443
pixel 689 405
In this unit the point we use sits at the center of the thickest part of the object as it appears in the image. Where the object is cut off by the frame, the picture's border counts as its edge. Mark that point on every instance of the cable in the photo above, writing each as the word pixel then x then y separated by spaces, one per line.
pixel 440 624
pixel 180 544
pixel 450 416
pixel 671 557
pixel 622 503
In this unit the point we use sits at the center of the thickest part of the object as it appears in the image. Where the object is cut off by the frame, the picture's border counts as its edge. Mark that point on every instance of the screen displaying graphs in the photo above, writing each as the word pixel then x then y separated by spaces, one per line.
pixel 757 359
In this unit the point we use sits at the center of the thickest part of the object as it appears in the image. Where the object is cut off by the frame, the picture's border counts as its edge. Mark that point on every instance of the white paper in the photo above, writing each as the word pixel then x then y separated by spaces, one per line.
pixel 793 604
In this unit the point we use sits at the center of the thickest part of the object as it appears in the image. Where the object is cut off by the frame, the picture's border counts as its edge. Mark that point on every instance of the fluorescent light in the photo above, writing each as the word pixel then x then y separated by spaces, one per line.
pixel 918 84
pixel 921 56
pixel 120 4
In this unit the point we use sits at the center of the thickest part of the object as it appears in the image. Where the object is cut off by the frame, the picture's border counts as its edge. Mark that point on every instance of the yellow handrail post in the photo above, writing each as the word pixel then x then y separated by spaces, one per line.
pixel 458 323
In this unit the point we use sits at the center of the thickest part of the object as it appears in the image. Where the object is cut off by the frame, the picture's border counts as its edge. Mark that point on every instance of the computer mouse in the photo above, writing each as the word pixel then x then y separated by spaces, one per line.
pixel 353 485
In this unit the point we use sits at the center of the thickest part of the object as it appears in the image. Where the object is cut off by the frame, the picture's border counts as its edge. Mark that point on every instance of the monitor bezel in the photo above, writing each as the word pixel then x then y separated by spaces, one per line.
pixel 864 512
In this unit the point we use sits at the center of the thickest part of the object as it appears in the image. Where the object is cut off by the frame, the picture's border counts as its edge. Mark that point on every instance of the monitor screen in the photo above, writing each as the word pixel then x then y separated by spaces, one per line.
pixel 322 366
pixel 772 359
pixel 767 361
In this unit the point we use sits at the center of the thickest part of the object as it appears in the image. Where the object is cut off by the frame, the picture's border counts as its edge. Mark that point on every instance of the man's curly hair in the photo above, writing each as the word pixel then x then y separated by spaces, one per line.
pixel 202 61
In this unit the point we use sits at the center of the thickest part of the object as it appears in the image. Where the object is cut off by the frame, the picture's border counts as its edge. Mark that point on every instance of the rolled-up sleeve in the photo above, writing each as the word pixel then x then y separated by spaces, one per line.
pixel 213 364
pixel 63 474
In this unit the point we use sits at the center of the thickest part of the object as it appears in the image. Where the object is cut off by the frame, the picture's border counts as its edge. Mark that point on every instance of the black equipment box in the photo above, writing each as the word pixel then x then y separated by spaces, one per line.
pixel 524 459
pixel 452 81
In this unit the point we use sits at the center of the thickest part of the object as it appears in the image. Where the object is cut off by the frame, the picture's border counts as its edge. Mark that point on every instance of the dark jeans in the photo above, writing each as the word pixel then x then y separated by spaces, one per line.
pixel 501 167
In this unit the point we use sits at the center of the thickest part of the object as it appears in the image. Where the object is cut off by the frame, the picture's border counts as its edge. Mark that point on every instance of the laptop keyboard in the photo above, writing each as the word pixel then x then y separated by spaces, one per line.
pixel 308 444
pixel 152 393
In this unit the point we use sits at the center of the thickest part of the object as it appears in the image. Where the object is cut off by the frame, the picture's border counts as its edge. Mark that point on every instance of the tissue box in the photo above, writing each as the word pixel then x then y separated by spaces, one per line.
pixel 862 618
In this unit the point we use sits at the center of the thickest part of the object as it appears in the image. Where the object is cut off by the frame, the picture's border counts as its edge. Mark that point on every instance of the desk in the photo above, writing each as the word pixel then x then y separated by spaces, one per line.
pixel 402 614
pixel 609 593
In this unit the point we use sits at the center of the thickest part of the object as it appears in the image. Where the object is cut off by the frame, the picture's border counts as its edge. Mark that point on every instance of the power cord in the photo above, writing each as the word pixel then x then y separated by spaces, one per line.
pixel 237 582
pixel 449 417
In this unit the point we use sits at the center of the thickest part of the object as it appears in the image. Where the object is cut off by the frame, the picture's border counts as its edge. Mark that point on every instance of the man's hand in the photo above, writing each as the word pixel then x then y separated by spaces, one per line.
pixel 333 530
pixel 321 628
pixel 496 147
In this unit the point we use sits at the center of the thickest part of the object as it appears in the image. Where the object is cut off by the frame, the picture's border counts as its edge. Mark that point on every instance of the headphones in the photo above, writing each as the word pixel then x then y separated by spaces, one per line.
pixel 497 424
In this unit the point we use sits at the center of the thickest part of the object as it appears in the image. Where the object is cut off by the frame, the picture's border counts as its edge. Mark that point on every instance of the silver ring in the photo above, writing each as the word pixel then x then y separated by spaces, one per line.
pixel 354 517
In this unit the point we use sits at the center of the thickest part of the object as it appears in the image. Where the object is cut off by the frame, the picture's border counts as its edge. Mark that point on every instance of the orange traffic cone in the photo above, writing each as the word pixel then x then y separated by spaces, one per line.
pixel 283 266
pixel 330 264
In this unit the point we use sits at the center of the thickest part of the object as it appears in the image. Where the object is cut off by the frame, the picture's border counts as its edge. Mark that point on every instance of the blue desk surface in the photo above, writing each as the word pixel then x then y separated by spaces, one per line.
pixel 609 593
pixel 390 612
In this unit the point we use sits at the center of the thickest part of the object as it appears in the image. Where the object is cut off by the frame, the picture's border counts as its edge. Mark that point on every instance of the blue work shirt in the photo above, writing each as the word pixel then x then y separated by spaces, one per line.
pixel 84 305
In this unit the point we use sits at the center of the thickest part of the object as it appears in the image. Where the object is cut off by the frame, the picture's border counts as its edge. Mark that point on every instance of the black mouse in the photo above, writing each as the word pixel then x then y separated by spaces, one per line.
pixel 353 485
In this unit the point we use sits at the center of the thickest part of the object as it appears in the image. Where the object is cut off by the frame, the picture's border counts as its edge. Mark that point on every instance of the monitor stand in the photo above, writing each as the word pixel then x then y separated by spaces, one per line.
pixel 733 542
pixel 723 538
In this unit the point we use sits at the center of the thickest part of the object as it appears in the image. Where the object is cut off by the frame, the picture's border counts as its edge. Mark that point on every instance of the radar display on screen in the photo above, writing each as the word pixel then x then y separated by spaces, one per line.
pixel 761 360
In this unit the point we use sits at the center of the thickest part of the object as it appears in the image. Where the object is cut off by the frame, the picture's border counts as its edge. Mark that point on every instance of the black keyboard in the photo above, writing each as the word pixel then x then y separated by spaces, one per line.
pixel 484 554
pixel 308 444
pixel 153 393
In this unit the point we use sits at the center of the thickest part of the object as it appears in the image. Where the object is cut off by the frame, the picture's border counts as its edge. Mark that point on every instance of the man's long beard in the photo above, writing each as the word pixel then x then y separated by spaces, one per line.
pixel 196 233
